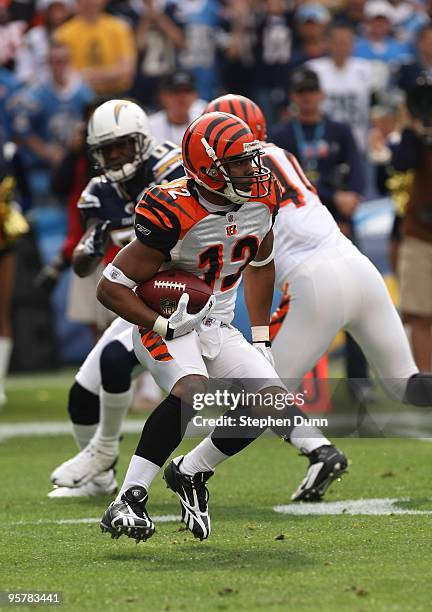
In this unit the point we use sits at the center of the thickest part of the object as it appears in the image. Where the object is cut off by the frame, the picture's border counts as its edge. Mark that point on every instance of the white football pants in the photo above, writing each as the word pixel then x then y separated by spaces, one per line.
pixel 339 288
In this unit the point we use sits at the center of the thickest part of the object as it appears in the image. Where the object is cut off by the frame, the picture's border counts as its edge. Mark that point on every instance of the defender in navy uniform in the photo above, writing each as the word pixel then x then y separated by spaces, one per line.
pixel 124 153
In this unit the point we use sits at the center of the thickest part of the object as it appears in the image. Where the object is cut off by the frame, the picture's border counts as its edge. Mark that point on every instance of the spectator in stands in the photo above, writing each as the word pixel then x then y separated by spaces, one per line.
pixel 180 106
pixel 352 15
pixel 31 65
pixel 8 87
pixel 199 20
pixel 21 10
pixel 409 72
pixel 328 153
pixel 102 48
pixel 408 18
pixel 326 149
pixel 415 259
pixel 347 83
pixel 68 180
pixel 11 35
pixel 378 43
pixel 128 10
pixel 44 118
pixel 236 62
pixel 310 21
pixel 273 51
pixel 159 40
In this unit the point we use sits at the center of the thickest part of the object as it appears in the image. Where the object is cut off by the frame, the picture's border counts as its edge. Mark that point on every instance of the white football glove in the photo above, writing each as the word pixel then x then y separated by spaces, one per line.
pixel 181 322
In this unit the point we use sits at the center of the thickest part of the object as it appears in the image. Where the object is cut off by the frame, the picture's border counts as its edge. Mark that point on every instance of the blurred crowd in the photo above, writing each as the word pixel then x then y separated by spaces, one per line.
pixel 333 79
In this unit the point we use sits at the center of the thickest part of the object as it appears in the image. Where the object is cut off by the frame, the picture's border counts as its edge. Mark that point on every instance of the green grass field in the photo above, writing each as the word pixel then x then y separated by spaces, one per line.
pixel 256 558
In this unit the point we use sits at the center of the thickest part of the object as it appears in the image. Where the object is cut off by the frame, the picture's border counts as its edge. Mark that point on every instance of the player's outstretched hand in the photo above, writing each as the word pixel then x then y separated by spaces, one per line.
pixel 181 322
pixel 95 243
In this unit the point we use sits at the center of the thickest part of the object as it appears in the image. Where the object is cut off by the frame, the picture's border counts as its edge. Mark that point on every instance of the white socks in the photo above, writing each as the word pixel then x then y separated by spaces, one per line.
pixel 83 434
pixel 203 458
pixel 113 409
pixel 140 472
pixel 308 439
pixel 5 353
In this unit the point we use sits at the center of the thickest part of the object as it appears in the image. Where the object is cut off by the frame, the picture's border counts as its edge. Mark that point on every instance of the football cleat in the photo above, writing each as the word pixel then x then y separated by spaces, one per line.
pixel 103 484
pixel 193 495
pixel 129 516
pixel 326 463
pixel 82 468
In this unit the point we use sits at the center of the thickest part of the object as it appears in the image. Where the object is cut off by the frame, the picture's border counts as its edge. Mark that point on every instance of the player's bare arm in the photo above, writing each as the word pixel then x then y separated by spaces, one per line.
pixel 91 248
pixel 259 283
pixel 137 262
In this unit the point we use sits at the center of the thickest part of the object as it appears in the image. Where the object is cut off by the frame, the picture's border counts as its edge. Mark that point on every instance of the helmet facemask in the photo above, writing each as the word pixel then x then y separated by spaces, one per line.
pixel 136 148
pixel 239 189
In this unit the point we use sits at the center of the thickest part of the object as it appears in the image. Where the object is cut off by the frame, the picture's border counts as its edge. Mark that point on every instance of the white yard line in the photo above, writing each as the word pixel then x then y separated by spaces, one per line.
pixel 52 428
pixel 165 518
pixel 56 428
pixel 384 506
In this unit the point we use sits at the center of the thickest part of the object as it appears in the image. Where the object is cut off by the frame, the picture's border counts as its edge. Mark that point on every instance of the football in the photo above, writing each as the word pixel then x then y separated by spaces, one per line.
pixel 163 291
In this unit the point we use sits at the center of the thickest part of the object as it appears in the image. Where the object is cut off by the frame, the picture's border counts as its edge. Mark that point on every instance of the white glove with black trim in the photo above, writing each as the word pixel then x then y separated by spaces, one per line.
pixel 181 322
pixel 261 341
pixel 95 243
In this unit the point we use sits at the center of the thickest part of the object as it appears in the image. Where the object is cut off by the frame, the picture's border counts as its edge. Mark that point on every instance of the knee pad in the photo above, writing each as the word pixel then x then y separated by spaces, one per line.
pixel 83 406
pixel 116 365
pixel 419 390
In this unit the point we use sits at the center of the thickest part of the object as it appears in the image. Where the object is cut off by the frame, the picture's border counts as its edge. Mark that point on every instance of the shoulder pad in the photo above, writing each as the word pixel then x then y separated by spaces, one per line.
pixel 90 196
pixel 168 163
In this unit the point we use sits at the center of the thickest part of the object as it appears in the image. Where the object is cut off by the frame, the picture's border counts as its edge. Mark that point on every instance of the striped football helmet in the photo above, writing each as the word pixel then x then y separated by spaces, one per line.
pixel 211 144
pixel 245 109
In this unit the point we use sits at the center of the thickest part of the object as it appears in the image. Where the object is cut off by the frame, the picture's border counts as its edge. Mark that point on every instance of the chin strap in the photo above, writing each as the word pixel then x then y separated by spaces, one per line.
pixel 228 192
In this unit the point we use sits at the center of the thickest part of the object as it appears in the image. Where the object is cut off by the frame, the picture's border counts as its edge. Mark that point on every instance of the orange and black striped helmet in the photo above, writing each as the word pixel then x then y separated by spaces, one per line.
pixel 245 109
pixel 214 141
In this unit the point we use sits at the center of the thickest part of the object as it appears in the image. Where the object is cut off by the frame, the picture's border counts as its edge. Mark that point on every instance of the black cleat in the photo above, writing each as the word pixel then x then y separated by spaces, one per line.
pixel 129 516
pixel 326 463
pixel 193 495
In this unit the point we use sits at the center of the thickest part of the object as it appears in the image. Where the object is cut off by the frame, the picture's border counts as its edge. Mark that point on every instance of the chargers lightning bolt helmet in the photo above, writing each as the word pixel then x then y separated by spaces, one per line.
pixel 120 124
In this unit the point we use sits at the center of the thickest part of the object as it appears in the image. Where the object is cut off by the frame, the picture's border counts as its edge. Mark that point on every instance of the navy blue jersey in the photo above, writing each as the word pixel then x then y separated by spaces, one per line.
pixel 105 200
pixel 331 161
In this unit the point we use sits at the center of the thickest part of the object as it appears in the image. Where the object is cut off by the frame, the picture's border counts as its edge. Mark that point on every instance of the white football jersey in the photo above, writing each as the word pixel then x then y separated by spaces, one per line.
pixel 303 223
pixel 348 90
pixel 213 243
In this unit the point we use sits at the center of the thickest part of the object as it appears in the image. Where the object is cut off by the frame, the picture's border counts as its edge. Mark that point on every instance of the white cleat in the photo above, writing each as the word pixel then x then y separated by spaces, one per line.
pixel 103 484
pixel 83 468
